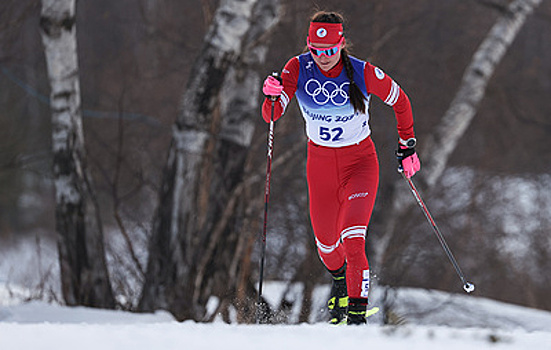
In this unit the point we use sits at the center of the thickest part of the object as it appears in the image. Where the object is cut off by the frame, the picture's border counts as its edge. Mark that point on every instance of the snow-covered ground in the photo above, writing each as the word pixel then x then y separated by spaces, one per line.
pixel 433 320
pixel 188 335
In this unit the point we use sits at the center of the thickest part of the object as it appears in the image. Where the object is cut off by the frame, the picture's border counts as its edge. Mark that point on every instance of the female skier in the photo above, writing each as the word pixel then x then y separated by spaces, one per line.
pixel 333 90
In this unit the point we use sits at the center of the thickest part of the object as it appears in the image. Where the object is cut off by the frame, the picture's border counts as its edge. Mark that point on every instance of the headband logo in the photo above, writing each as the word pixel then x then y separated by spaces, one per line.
pixel 322 32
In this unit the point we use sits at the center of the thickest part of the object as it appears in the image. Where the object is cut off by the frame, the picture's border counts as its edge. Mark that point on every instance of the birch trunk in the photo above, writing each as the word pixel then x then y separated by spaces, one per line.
pixel 84 276
pixel 206 161
pixel 443 141
pixel 227 234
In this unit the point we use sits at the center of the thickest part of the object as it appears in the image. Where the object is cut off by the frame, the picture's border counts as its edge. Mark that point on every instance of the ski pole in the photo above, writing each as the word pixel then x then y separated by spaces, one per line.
pixel 467 286
pixel 266 200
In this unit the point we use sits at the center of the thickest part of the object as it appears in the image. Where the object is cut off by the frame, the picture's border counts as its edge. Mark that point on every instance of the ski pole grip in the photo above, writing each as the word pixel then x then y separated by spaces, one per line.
pixel 276 75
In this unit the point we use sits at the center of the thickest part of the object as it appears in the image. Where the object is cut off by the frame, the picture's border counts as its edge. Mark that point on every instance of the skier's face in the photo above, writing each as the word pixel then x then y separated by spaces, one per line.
pixel 329 55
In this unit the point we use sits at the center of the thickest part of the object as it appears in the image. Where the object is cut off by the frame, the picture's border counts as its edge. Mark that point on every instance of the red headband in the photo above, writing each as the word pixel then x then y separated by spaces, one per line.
pixel 325 33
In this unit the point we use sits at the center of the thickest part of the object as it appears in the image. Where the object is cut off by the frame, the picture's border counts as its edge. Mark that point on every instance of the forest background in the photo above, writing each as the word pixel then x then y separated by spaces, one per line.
pixel 135 59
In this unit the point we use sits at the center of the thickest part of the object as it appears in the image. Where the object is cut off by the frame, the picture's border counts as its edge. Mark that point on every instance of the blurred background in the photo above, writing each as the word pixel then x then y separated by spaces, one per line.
pixel 492 202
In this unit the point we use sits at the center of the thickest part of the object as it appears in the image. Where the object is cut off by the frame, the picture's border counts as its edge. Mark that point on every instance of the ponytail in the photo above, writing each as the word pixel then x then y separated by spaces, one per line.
pixel 357 97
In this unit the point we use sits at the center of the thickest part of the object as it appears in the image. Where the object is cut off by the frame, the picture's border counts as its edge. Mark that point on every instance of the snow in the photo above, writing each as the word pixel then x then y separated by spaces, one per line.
pixel 483 324
pixel 39 312
pixel 190 335
pixel 134 332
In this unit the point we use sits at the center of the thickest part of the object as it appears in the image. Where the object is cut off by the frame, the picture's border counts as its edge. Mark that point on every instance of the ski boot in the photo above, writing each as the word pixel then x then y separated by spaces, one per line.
pixel 358 312
pixel 338 301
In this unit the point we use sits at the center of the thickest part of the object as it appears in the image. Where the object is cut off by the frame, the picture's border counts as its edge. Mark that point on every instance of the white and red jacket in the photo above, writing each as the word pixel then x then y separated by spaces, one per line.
pixel 325 104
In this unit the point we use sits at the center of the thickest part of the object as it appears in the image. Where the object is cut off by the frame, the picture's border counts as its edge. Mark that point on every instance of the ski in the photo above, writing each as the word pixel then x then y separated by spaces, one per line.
pixel 369 312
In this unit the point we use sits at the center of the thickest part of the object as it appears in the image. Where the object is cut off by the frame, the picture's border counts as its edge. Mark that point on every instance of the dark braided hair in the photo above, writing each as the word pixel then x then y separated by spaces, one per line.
pixel 357 98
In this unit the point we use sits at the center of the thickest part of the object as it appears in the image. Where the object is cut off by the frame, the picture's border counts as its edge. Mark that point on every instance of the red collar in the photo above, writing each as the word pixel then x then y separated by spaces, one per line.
pixel 335 71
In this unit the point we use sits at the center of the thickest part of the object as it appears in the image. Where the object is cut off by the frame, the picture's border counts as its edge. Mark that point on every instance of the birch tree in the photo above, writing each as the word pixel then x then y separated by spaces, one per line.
pixel 439 146
pixel 84 276
pixel 194 245
pixel 223 270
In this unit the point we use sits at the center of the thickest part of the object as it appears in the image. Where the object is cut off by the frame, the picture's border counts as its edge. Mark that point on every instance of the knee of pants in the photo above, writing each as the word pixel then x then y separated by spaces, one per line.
pixel 331 256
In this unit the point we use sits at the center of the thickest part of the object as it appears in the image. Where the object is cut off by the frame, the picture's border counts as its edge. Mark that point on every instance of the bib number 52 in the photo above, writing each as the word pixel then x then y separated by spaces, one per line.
pixel 327 134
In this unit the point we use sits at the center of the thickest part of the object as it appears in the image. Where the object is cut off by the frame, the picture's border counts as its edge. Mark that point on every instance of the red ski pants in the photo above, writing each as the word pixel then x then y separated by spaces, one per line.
pixel 342 185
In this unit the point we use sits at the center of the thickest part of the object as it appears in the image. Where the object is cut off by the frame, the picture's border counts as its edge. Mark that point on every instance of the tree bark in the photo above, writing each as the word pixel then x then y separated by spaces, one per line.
pixel 84 276
pixel 227 233
pixel 194 232
pixel 439 146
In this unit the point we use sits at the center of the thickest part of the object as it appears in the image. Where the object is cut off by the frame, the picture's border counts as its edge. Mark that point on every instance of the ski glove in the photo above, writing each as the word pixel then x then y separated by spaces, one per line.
pixel 272 86
pixel 408 159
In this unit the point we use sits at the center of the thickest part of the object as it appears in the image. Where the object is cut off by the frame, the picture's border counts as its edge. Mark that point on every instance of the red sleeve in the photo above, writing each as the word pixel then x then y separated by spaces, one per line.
pixel 382 86
pixel 289 77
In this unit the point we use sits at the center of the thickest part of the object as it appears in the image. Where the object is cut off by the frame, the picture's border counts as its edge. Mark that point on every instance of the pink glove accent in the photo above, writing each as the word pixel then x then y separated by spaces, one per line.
pixel 411 165
pixel 272 87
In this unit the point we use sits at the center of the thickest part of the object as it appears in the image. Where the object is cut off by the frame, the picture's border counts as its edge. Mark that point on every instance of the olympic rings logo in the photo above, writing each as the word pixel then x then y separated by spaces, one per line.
pixel 329 91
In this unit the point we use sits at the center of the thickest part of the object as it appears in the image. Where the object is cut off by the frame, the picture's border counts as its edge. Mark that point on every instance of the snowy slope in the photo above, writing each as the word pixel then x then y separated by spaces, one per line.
pixel 433 322
pixel 188 335
pixel 428 307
